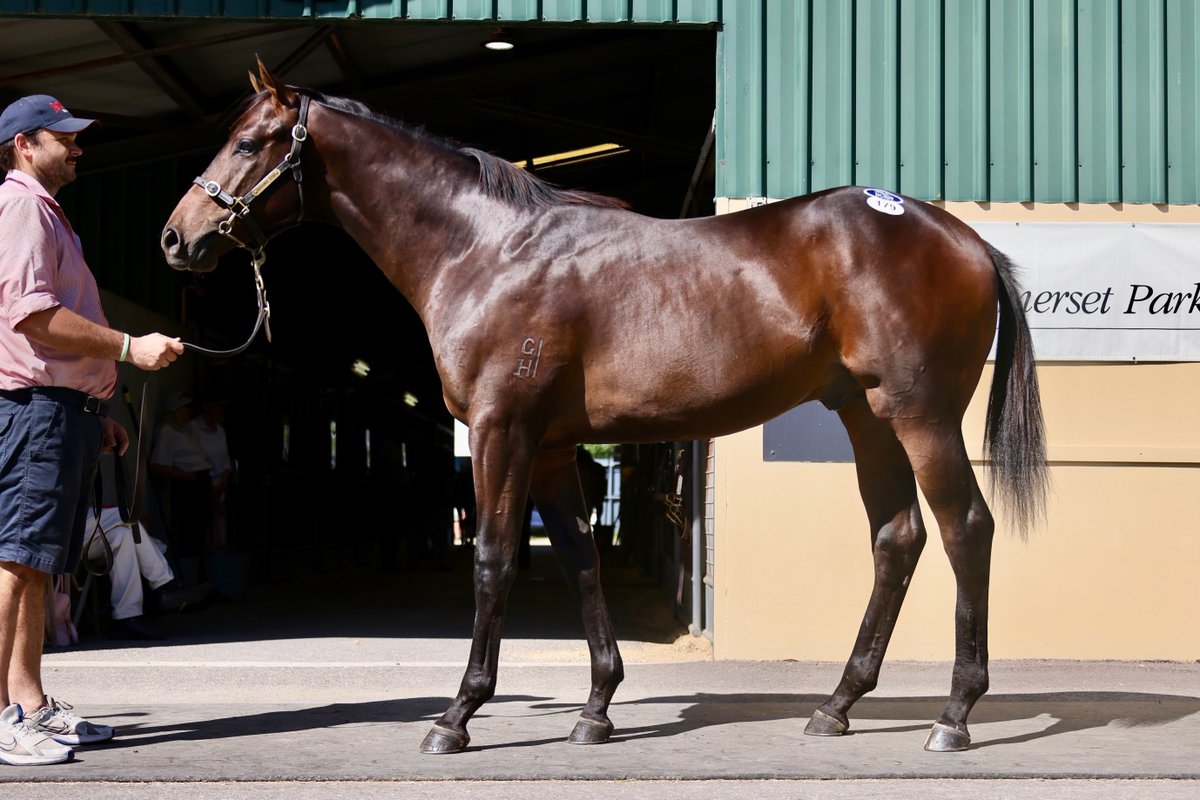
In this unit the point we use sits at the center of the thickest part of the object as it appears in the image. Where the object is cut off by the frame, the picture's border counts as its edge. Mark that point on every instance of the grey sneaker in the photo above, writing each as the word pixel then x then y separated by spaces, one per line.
pixel 56 721
pixel 22 745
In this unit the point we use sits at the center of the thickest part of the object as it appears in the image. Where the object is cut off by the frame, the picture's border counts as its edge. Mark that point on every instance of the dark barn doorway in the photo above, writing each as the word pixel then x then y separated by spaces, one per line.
pixel 344 448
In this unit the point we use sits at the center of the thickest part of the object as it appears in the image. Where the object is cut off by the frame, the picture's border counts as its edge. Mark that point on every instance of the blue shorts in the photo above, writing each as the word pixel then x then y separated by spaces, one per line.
pixel 49 449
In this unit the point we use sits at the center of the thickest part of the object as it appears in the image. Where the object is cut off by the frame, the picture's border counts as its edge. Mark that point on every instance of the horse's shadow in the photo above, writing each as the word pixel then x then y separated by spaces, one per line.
pixel 135 733
pixel 1068 712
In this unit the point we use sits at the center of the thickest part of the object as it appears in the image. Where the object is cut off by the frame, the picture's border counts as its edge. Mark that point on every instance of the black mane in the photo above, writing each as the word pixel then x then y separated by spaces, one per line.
pixel 498 178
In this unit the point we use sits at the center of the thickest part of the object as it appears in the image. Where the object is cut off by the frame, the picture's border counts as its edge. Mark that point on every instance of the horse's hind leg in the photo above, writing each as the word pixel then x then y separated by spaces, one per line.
pixel 945 476
pixel 559 498
pixel 885 481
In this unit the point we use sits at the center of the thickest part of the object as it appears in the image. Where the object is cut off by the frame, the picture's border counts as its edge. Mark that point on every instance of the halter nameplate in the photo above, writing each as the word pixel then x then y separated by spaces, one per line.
pixel 262 185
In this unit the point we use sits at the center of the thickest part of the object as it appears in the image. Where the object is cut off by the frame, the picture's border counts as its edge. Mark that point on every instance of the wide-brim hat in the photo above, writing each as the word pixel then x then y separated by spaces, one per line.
pixel 39 111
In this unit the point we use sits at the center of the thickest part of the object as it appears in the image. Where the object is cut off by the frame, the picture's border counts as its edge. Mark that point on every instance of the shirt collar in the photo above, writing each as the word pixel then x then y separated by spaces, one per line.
pixel 34 186
pixel 29 182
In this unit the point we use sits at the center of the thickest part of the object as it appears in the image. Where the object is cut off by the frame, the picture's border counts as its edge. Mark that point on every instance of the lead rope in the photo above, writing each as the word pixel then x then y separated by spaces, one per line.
pixel 258 258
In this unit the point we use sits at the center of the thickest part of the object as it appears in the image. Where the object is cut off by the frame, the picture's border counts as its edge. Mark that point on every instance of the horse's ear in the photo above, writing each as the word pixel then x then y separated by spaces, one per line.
pixel 254 84
pixel 280 92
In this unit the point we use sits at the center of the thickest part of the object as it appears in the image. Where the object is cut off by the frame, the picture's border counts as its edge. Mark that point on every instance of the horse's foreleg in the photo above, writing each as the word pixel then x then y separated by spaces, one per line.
pixel 948 483
pixel 502 463
pixel 559 499
pixel 885 481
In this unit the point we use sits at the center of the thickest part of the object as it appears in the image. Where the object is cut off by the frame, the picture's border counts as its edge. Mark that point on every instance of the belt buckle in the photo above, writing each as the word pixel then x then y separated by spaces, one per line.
pixel 92 405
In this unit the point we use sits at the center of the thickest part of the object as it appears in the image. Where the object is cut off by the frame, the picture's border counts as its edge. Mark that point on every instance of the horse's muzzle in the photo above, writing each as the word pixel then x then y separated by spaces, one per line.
pixel 198 258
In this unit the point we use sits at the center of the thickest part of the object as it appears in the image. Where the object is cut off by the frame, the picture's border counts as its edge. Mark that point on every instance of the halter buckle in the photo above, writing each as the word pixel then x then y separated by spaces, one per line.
pixel 212 188
pixel 299 132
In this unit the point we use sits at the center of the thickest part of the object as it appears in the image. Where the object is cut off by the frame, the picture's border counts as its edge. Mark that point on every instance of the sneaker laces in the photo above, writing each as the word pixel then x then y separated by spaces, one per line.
pixel 56 708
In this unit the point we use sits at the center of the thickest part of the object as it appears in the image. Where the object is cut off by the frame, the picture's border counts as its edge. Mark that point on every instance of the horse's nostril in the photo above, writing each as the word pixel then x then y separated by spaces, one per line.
pixel 170 240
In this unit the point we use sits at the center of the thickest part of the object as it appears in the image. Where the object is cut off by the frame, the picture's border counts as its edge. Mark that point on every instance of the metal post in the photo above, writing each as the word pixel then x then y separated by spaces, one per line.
pixel 699 462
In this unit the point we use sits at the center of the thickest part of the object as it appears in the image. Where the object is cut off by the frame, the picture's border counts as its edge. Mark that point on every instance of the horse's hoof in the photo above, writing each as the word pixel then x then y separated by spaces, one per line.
pixel 823 724
pixel 589 731
pixel 947 739
pixel 443 740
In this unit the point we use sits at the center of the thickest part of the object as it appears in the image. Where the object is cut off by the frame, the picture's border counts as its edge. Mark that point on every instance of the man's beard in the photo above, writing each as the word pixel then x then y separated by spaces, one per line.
pixel 59 173
pixel 54 174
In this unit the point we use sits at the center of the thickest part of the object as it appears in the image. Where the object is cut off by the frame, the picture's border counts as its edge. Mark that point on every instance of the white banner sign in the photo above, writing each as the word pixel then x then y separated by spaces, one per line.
pixel 1106 291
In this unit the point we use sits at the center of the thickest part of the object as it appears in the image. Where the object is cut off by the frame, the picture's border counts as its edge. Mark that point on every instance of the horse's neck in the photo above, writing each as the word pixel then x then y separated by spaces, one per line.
pixel 412 211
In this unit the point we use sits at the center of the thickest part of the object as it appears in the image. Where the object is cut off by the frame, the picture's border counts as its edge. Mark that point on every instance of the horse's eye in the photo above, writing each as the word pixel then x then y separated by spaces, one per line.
pixel 245 146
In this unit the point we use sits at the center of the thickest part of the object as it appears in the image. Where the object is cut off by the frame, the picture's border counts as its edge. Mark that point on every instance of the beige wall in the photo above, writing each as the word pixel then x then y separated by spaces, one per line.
pixel 1114 572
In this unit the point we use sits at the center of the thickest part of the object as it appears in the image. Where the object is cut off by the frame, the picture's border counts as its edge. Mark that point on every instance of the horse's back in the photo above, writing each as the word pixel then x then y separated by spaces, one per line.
pixel 651 329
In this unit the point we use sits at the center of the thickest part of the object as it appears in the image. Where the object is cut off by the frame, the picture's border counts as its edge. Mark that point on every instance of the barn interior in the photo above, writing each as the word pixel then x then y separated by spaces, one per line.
pixel 344 448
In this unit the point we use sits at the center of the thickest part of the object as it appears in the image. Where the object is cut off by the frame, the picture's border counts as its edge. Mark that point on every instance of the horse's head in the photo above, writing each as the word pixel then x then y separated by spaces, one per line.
pixel 236 202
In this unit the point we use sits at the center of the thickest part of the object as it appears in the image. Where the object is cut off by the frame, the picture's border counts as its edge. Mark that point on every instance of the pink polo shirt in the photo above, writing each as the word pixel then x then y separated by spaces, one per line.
pixel 42 266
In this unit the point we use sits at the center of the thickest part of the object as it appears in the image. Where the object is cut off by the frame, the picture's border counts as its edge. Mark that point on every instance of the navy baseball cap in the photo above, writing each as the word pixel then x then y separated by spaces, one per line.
pixel 38 111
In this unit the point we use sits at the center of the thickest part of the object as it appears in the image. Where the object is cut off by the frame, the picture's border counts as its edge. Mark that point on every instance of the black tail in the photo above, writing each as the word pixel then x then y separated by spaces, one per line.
pixel 1014 437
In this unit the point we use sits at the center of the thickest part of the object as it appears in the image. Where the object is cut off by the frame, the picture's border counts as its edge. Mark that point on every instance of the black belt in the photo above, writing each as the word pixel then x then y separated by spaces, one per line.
pixel 71 398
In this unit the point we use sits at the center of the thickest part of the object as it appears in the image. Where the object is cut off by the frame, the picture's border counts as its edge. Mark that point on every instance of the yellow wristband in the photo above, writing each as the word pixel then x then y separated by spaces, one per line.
pixel 124 349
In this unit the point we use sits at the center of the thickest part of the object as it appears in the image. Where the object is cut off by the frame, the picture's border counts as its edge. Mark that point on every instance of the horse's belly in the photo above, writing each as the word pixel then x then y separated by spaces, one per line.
pixel 703 399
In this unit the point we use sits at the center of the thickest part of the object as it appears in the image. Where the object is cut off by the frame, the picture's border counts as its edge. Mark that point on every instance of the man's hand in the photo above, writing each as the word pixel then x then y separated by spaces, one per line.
pixel 65 330
pixel 153 351
pixel 113 437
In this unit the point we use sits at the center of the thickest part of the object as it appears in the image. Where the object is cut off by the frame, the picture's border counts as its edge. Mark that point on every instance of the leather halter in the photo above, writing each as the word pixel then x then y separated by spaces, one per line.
pixel 239 209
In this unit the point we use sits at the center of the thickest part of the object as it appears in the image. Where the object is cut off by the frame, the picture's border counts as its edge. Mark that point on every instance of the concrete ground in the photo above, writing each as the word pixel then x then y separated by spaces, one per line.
pixel 325 686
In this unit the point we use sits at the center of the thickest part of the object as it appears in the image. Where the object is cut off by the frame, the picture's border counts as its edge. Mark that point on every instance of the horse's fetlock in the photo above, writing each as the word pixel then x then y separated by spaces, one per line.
pixel 607 670
pixel 972 680
pixel 859 678
pixel 616 671
pixel 480 687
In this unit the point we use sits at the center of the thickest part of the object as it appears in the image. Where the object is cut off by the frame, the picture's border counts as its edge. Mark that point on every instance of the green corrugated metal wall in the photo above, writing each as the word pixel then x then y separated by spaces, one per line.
pixel 1092 101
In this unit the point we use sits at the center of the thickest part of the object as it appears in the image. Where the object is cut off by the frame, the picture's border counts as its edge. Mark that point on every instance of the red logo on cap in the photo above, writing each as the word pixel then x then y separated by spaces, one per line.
pixel 57 106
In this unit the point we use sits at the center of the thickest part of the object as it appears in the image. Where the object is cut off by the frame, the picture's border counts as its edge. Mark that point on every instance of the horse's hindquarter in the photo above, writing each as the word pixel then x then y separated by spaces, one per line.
pixel 913 303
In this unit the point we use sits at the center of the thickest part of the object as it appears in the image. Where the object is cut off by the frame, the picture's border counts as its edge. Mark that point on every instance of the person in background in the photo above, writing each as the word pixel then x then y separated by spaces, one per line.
pixel 179 461
pixel 210 436
pixel 57 365
pixel 136 558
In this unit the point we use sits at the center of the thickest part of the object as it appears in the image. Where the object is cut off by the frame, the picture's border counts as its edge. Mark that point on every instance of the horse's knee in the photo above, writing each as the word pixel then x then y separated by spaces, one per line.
pixel 588 576
pixel 495 572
